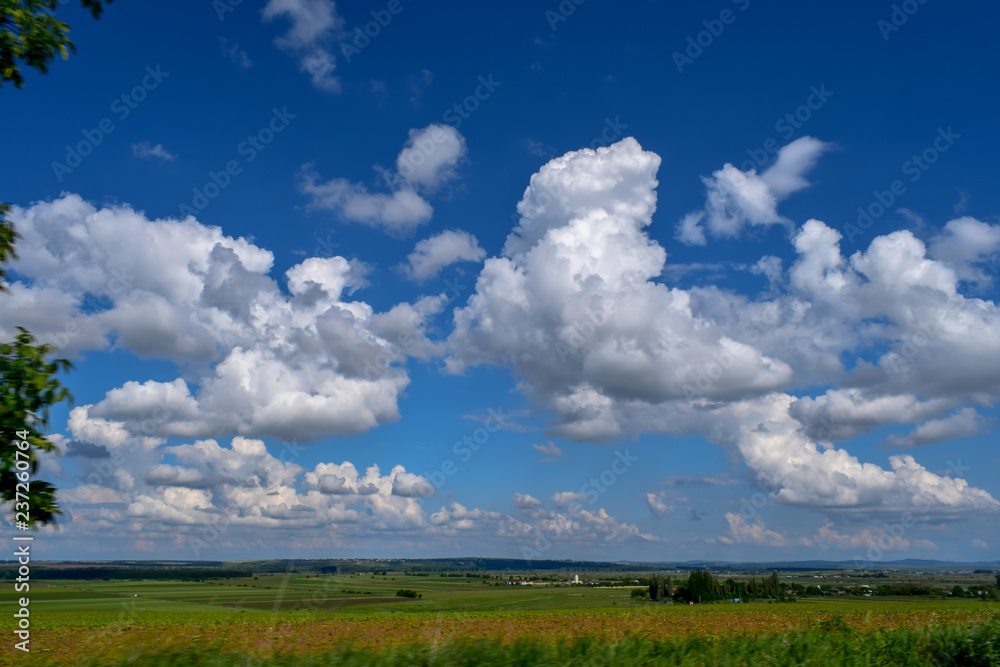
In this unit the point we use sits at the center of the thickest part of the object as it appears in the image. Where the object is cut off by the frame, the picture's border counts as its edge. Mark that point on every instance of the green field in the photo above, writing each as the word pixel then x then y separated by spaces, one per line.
pixel 325 594
pixel 305 617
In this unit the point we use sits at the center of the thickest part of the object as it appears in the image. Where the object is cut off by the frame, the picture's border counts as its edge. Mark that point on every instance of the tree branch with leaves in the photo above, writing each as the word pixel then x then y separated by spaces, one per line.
pixel 31 35
pixel 29 387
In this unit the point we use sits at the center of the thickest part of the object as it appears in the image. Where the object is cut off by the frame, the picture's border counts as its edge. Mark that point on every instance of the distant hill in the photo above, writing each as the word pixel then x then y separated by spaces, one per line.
pixel 117 572
pixel 130 569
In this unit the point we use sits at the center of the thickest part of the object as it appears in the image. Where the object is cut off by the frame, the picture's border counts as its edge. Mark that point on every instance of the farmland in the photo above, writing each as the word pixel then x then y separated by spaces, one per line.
pixel 306 615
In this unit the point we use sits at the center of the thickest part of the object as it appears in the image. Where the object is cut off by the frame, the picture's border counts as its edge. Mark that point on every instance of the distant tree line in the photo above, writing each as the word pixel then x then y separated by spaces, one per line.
pixel 703 586
pixel 128 573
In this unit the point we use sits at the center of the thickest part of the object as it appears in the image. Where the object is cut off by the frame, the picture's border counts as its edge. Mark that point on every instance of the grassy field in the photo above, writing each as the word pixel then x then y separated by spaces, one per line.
pixel 317 594
pixel 102 622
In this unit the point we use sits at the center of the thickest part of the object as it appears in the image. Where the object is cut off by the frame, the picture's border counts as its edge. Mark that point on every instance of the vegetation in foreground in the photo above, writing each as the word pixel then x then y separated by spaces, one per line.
pixel 831 642
pixel 879 631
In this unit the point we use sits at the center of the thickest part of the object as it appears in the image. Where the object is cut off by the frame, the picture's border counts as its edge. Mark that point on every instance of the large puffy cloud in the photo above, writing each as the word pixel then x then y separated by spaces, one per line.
pixel 736 198
pixel 259 361
pixel 575 307
pixel 572 307
pixel 298 363
pixel 935 338
pixel 426 162
pixel 795 469
pixel 800 472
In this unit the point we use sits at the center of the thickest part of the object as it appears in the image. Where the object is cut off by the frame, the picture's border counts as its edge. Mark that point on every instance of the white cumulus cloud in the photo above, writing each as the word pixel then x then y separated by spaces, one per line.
pixel 435 253
pixel 425 163
pixel 299 365
pixel 737 198
pixel 578 309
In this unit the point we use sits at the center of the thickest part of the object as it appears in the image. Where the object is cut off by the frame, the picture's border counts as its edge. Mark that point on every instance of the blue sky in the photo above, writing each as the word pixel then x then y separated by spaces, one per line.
pixel 332 292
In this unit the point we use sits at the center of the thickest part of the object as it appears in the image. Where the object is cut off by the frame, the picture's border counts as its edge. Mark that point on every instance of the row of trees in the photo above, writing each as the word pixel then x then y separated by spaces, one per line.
pixel 703 586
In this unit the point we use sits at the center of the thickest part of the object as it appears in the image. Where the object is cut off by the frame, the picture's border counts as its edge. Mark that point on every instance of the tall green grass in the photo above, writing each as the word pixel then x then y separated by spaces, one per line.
pixel 827 643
